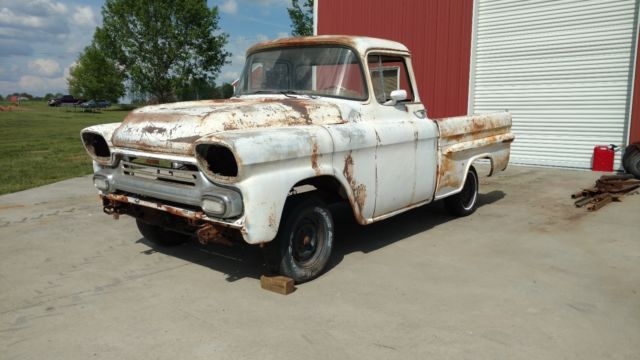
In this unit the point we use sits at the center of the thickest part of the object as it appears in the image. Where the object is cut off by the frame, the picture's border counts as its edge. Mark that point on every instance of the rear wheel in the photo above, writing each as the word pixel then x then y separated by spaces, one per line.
pixel 631 160
pixel 160 236
pixel 303 245
pixel 466 201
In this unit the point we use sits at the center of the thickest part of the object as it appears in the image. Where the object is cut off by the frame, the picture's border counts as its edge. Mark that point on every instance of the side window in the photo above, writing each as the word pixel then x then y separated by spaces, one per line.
pixel 389 73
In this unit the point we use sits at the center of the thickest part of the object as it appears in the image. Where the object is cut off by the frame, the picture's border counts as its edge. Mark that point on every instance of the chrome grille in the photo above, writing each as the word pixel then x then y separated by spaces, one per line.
pixel 176 176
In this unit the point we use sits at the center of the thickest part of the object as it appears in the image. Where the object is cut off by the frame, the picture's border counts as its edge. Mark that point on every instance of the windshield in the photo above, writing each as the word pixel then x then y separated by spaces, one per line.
pixel 317 70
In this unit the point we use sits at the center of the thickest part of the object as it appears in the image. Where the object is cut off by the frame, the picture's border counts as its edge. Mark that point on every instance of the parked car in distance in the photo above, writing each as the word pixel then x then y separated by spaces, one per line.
pixel 102 104
pixel 95 104
pixel 65 100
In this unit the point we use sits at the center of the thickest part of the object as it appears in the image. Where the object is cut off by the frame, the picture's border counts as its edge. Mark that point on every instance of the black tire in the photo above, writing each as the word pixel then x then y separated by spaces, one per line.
pixel 160 236
pixel 304 241
pixel 465 202
pixel 631 160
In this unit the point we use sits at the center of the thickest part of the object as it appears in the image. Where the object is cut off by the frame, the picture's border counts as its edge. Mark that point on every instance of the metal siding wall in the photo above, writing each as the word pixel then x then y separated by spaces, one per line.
pixel 438 33
pixel 562 68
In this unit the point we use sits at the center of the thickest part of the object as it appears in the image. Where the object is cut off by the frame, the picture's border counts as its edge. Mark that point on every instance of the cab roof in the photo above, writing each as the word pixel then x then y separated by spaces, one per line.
pixel 362 44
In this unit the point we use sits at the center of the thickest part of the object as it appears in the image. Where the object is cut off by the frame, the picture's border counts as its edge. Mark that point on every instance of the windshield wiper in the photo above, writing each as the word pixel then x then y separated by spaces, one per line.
pixel 288 93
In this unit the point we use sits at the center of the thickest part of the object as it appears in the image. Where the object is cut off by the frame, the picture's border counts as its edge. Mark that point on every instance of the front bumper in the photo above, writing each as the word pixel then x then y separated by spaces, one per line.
pixel 194 216
pixel 179 190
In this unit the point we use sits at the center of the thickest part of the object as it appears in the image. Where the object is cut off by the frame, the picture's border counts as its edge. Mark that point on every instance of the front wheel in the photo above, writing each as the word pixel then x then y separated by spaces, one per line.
pixel 466 201
pixel 303 245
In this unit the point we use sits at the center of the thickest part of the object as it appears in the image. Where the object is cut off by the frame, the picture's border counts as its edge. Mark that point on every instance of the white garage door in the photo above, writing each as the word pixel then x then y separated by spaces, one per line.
pixel 563 68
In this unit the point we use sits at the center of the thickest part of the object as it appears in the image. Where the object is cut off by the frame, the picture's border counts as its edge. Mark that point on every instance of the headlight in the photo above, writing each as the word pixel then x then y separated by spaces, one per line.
pixel 101 183
pixel 96 146
pixel 217 160
pixel 214 206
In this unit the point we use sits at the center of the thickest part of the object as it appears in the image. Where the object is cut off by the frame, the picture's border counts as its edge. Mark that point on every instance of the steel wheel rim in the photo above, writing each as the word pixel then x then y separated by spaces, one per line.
pixel 308 239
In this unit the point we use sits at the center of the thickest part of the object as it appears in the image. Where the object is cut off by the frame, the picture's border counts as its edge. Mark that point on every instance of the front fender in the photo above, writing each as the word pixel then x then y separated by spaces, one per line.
pixel 105 131
pixel 270 163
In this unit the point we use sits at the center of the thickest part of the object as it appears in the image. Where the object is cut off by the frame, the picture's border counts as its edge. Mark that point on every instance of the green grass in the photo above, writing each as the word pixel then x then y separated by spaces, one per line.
pixel 41 145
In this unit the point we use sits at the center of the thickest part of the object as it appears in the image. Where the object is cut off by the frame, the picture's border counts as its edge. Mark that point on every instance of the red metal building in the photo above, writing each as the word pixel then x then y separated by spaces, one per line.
pixel 439 32
pixel 565 69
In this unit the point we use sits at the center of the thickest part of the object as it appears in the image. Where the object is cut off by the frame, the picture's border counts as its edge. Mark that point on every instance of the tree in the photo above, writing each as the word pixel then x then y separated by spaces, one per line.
pixel 197 89
pixel 95 77
pixel 49 96
pixel 162 45
pixel 226 90
pixel 1 98
pixel 301 17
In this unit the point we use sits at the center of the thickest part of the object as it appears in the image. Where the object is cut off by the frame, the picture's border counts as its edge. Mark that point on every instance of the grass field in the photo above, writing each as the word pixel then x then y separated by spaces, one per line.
pixel 40 145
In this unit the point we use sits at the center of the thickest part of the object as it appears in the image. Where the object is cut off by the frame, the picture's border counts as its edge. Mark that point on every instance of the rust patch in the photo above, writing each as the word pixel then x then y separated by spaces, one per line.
pixel 447 174
pixel 154 117
pixel 119 198
pixel 359 190
pixel 303 41
pixel 479 125
pixel 210 233
pixel 193 215
pixel 347 171
pixel 300 106
pixel 360 194
pixel 154 129
pixel 457 137
pixel 229 125
pixel 459 128
pixel 314 158
pixel 179 212
pixel 186 140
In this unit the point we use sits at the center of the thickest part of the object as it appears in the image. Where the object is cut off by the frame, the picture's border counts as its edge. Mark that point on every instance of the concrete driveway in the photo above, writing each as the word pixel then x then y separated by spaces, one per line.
pixel 528 276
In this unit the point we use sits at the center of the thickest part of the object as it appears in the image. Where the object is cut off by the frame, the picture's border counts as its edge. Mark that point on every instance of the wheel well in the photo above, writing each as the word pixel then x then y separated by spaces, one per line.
pixel 485 159
pixel 327 187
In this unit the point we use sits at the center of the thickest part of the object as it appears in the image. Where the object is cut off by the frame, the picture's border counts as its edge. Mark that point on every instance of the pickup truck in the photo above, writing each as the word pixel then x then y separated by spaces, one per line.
pixel 314 121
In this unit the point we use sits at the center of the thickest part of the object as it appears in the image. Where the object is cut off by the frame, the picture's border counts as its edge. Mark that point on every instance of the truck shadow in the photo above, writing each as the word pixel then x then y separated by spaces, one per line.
pixel 236 262
pixel 352 237
pixel 247 261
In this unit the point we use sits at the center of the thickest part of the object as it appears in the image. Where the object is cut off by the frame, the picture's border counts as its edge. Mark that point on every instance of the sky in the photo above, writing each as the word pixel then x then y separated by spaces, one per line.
pixel 41 39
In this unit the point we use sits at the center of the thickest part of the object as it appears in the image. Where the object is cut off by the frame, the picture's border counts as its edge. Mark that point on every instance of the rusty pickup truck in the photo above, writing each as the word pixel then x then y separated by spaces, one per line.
pixel 314 121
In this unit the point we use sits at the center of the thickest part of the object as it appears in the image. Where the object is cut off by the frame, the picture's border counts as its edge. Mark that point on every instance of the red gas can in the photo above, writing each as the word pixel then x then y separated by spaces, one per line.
pixel 603 158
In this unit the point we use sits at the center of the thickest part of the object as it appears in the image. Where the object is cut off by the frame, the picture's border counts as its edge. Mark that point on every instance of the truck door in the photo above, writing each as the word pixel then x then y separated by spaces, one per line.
pixel 406 149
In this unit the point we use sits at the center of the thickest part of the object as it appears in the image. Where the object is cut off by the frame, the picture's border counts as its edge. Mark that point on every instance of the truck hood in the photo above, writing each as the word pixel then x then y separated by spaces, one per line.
pixel 174 128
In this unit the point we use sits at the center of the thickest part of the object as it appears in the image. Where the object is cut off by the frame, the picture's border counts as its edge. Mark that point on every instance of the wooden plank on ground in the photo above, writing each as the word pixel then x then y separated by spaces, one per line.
pixel 279 284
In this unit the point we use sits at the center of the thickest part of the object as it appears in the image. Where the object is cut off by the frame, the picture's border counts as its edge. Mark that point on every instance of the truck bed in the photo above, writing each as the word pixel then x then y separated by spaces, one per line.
pixel 465 139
